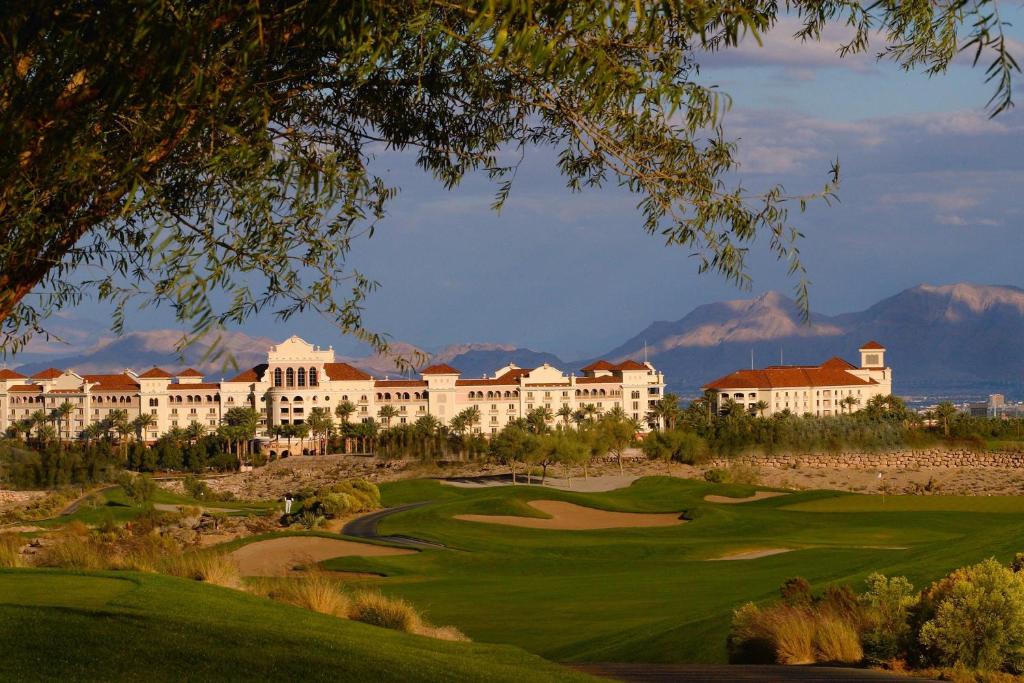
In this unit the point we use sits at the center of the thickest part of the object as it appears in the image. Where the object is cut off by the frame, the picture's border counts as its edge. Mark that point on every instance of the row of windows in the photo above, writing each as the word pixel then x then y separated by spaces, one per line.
pixel 295 378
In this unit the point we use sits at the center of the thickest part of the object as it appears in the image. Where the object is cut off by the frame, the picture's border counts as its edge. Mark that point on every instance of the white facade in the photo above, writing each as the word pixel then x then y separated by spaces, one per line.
pixel 833 388
pixel 299 376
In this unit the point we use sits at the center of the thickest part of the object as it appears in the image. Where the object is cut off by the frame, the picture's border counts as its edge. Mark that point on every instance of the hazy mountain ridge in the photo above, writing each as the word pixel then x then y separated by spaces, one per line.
pixel 936 336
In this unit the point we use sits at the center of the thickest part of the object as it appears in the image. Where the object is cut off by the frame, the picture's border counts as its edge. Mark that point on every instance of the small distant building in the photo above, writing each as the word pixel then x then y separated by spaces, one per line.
pixel 832 388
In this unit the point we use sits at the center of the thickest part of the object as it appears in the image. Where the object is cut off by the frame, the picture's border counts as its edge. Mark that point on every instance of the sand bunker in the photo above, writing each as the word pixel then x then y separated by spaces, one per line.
pixel 277 556
pixel 760 495
pixel 570 517
pixel 752 554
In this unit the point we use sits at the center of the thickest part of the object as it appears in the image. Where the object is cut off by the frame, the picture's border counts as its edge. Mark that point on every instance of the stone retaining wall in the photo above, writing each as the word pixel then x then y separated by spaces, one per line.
pixel 893 460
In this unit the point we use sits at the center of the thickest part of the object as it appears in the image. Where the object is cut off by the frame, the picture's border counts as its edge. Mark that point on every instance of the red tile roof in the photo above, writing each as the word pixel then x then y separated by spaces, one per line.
pixel 121 382
pixel 837 362
pixel 630 365
pixel 189 372
pixel 10 374
pixel 48 373
pixel 873 345
pixel 26 387
pixel 510 378
pixel 156 373
pixel 399 383
pixel 190 387
pixel 600 365
pixel 344 371
pixel 440 369
pixel 792 376
pixel 254 374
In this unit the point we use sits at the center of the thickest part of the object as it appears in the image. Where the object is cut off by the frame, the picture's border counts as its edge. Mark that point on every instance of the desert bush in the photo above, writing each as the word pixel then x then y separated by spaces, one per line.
pixel 310 520
pixel 197 488
pixel 10 550
pixel 140 488
pixel 208 567
pixel 796 591
pixel 977 619
pixel 313 591
pixel 380 610
pixel 43 507
pixel 716 476
pixel 885 608
pixel 743 473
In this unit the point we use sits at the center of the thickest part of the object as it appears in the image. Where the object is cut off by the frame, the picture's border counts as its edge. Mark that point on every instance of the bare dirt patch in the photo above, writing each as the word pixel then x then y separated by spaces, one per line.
pixel 759 495
pixel 278 556
pixel 571 517
pixel 754 554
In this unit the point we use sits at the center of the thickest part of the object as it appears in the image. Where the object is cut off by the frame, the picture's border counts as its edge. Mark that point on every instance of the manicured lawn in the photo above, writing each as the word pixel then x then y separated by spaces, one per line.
pixel 650 594
pixel 122 626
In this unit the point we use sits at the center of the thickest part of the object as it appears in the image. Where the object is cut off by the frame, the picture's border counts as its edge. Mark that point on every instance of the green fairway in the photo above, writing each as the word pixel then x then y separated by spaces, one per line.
pixel 113 626
pixel 650 594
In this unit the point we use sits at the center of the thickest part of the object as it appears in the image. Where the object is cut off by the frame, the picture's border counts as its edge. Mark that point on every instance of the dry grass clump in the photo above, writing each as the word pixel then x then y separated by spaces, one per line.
pixel 72 550
pixel 10 550
pixel 443 633
pixel 313 591
pixel 208 567
pixel 380 610
pixel 836 641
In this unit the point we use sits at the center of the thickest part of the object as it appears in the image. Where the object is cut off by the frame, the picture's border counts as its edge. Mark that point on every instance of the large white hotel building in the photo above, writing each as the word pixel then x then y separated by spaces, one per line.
pixel 298 377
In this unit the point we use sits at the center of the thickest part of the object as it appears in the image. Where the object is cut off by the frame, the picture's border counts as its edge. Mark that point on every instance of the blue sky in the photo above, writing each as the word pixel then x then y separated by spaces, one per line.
pixel 930 194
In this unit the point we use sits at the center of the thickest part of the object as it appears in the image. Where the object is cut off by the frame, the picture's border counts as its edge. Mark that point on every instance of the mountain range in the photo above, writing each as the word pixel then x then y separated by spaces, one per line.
pixel 937 337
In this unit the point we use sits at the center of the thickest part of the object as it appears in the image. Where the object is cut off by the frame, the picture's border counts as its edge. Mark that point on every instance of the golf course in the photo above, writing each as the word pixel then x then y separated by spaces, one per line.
pixel 533 575
pixel 656 593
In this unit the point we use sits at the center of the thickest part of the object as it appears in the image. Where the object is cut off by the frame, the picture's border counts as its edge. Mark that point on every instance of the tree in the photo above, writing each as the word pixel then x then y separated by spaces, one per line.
pixel 321 425
pixel 944 413
pixel 344 410
pixel 760 407
pixel 566 413
pixel 511 446
pixel 386 414
pixel 63 412
pixel 195 431
pixel 190 150
pixel 245 421
pixel 848 402
pixel 665 411
pixel 569 449
pixel 141 423
pixel 618 435
pixel 673 446
pixel 538 419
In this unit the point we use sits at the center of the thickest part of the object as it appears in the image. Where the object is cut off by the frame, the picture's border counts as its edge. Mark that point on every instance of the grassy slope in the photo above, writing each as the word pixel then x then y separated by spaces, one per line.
pixel 648 594
pixel 118 626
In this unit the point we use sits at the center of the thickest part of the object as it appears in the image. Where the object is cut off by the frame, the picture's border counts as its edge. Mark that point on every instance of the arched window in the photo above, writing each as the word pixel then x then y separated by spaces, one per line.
pixel 289 377
pixel 406 396
pixel 216 397
pixel 380 396
pixel 387 396
pixel 277 377
pixel 363 397
pixel 302 377
pixel 416 395
pixel 284 399
pixel 313 381
pixel 297 399
pixel 209 398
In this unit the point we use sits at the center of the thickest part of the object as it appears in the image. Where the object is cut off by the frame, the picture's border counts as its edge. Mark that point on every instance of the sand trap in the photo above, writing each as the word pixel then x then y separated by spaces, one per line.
pixel 570 517
pixel 752 554
pixel 277 556
pixel 760 495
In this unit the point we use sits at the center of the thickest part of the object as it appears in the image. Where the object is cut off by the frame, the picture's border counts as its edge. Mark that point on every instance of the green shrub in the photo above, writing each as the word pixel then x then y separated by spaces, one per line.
pixel 197 488
pixel 978 619
pixel 140 488
pixel 885 608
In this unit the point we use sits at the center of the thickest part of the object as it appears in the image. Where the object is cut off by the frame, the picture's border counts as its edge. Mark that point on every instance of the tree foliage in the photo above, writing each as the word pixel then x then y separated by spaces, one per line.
pixel 217 157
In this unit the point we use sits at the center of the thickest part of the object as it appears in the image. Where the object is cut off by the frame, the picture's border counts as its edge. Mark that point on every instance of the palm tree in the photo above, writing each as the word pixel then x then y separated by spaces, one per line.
pixel 386 413
pixel 321 424
pixel 63 412
pixel 849 402
pixel 760 407
pixel 45 433
pixel 344 410
pixel 538 419
pixel 195 431
pixel 38 419
pixel 590 411
pixel 245 420
pixel 616 413
pixel 141 424
pixel 565 412
pixel 665 411
pixel 92 431
pixel 944 413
